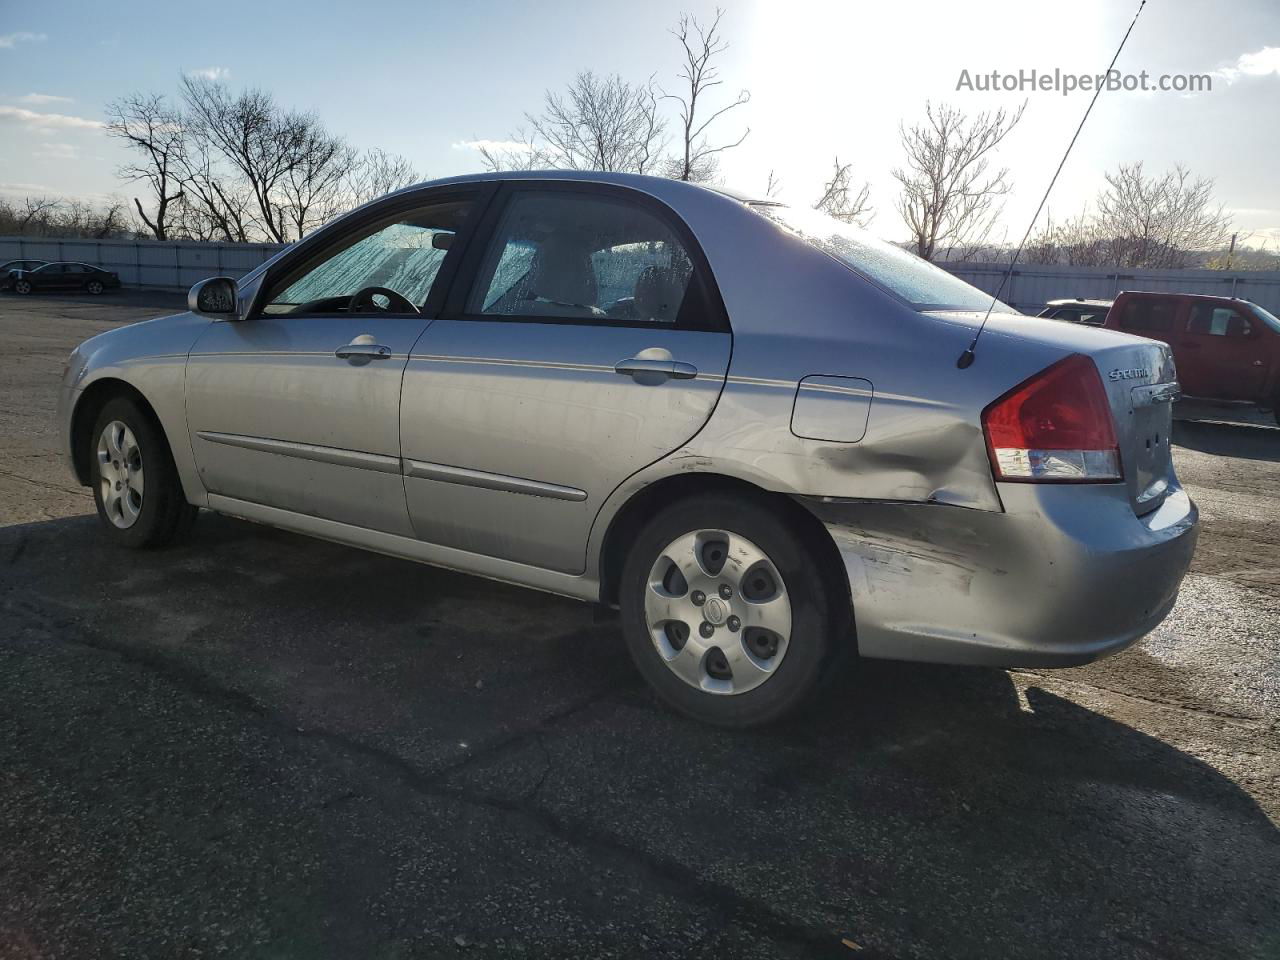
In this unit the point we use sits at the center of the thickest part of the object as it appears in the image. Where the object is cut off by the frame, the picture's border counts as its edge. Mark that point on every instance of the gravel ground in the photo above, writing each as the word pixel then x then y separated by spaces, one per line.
pixel 259 745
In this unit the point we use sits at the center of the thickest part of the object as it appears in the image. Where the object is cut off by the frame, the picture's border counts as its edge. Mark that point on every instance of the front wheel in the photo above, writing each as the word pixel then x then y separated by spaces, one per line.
pixel 22 286
pixel 726 612
pixel 94 287
pixel 135 484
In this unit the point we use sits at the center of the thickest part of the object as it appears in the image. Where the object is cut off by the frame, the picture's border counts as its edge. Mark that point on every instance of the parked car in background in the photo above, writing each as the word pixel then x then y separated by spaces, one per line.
pixel 63 275
pixel 6 268
pixel 1224 348
pixel 1091 313
pixel 743 424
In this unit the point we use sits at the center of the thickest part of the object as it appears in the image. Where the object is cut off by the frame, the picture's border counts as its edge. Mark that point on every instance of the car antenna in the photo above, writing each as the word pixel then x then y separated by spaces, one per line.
pixel 965 360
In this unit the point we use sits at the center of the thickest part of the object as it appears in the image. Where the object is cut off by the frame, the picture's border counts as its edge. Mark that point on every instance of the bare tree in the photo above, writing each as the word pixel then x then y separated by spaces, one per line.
pixel 150 126
pixel 312 191
pixel 36 212
pixel 699 160
pixel 597 123
pixel 263 143
pixel 772 186
pixel 840 200
pixel 950 196
pixel 378 173
pixel 1077 241
pixel 1158 221
pixel 49 217
pixel 215 203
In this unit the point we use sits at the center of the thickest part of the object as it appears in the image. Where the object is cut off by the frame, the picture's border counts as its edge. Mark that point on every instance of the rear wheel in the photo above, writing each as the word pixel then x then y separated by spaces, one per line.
pixel 22 286
pixel 726 612
pixel 94 287
pixel 135 484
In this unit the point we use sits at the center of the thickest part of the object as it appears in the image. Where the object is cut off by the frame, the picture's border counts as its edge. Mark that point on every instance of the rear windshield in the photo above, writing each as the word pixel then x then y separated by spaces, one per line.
pixel 917 281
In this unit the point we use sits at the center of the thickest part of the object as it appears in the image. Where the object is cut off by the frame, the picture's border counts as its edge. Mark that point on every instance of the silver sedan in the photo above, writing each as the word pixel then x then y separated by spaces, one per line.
pixel 742 424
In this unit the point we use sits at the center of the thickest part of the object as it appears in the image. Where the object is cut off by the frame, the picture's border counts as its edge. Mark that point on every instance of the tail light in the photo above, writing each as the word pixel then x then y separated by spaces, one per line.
pixel 1054 427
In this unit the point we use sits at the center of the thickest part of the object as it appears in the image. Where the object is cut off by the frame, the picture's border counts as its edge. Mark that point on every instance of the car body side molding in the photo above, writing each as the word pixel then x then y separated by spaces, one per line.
pixel 491 481
pixel 306 451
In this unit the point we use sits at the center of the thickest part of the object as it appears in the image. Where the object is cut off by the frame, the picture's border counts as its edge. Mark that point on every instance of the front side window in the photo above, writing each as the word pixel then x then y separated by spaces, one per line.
pixel 920 283
pixel 1211 321
pixel 402 255
pixel 576 256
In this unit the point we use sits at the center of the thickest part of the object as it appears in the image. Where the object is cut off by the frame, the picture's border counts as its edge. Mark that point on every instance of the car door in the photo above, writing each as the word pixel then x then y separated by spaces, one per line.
pixel 584 340
pixel 297 406
pixel 1230 357
pixel 51 277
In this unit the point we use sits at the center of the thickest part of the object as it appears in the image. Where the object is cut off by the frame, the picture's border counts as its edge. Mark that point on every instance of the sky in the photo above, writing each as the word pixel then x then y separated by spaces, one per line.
pixel 428 79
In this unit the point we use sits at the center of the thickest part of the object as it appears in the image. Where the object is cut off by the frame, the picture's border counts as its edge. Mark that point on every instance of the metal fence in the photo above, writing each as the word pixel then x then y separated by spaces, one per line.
pixel 1031 287
pixel 178 264
pixel 146 263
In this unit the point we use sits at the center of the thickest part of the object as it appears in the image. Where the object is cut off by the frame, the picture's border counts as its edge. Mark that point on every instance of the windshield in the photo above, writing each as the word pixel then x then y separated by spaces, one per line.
pixel 917 281
pixel 1267 317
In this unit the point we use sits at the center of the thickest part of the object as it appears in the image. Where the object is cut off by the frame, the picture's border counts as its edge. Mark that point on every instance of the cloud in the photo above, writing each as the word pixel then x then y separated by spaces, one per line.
pixel 39 98
pixel 45 121
pixel 33 189
pixel 10 40
pixel 514 146
pixel 1260 63
pixel 57 151
pixel 210 73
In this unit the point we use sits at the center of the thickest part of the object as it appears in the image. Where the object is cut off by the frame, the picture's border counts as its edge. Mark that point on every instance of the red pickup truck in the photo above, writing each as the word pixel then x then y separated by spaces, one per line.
pixel 1224 348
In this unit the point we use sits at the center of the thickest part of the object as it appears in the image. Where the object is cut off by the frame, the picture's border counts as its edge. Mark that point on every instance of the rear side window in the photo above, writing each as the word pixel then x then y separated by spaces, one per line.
pixel 1155 315
pixel 561 255
pixel 1210 321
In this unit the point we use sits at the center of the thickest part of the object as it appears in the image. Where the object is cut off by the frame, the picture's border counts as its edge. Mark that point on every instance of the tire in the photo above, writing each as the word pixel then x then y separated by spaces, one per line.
pixel 761 686
pixel 22 286
pixel 94 287
pixel 135 484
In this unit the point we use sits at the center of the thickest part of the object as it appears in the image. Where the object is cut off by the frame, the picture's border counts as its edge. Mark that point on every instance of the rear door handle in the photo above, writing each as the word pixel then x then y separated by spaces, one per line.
pixel 363 351
pixel 675 369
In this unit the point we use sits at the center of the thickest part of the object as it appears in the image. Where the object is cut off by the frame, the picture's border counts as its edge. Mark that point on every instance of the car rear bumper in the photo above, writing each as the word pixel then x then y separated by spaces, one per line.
pixel 1066 575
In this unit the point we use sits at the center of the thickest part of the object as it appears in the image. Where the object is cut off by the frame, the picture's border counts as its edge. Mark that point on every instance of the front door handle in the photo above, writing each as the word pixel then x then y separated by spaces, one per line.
pixel 638 366
pixel 363 352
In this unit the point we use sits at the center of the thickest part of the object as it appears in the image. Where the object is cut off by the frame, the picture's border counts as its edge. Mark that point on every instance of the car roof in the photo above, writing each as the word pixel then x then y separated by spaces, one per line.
pixel 662 186
pixel 1203 297
pixel 1078 302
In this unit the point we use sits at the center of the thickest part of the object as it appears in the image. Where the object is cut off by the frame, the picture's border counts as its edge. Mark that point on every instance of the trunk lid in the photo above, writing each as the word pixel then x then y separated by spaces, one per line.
pixel 1138 377
pixel 1141 384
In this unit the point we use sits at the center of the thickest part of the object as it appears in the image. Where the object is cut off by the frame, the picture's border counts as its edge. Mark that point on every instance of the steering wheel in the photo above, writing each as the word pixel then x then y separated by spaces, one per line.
pixel 362 302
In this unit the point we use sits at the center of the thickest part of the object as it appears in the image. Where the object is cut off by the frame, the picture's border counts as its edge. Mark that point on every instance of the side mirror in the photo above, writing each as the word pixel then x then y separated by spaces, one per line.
pixel 215 297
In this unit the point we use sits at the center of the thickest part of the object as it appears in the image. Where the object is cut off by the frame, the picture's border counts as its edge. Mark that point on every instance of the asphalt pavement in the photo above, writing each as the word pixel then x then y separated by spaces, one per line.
pixel 260 745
